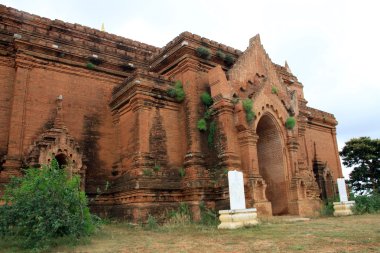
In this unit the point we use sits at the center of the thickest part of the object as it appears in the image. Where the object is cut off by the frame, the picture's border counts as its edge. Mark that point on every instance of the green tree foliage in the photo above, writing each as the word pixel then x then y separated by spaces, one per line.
pixel 363 156
pixel 43 205
pixel 367 204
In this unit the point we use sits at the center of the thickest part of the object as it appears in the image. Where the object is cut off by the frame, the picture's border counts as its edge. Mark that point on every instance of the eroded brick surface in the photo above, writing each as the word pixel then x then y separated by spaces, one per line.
pixel 100 104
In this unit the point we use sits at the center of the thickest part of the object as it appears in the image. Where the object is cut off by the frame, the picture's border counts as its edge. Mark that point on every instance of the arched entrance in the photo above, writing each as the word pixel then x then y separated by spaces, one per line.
pixel 271 164
pixel 62 160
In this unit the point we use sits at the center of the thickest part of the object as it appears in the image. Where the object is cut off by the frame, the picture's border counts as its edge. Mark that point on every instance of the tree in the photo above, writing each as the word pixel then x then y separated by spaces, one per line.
pixel 43 205
pixel 363 155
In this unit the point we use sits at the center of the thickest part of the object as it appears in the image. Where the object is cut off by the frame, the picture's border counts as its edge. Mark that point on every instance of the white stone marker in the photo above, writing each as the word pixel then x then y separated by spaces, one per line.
pixel 238 216
pixel 343 207
pixel 342 190
pixel 236 188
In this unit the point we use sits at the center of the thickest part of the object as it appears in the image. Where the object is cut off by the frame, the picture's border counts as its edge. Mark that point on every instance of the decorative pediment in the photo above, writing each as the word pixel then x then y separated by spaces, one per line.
pixel 57 143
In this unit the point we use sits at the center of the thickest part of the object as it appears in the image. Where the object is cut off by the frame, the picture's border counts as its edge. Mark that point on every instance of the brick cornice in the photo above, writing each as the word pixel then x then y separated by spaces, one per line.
pixel 27 61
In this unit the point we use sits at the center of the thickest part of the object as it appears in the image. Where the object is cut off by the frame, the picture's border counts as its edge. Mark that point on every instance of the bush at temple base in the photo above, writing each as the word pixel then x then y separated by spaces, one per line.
pixel 44 205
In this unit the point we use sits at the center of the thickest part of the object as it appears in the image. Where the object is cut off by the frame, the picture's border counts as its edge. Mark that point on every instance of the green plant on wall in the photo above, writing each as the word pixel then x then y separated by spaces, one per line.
pixel 202 125
pixel 90 65
pixel 203 52
pixel 177 91
pixel 157 168
pixel 229 60
pixel 147 172
pixel 290 123
pixel 181 172
pixel 206 99
pixel 211 134
pixel 249 113
pixel 220 55
pixel 208 114
pixel 274 90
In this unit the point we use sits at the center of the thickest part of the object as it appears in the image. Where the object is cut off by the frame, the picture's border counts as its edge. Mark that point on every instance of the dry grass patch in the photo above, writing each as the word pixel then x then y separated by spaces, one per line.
pixel 344 234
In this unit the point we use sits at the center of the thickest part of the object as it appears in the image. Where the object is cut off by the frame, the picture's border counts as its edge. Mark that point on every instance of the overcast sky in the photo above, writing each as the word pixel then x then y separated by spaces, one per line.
pixel 331 46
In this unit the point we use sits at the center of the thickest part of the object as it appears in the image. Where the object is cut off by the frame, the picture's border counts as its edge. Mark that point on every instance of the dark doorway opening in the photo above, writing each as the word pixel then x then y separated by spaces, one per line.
pixel 62 160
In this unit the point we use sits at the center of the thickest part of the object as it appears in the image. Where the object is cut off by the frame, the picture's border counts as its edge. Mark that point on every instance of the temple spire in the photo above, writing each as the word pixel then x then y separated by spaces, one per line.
pixel 102 29
pixel 287 67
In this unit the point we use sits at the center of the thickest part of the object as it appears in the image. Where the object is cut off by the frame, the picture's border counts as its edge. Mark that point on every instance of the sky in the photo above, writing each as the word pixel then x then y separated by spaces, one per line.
pixel 333 47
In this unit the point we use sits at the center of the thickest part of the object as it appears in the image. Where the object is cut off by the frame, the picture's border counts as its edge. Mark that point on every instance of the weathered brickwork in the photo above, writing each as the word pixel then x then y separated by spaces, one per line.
pixel 101 105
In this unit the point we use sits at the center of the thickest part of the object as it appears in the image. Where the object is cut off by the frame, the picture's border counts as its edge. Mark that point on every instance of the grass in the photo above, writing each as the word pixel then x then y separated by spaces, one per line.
pixel 358 233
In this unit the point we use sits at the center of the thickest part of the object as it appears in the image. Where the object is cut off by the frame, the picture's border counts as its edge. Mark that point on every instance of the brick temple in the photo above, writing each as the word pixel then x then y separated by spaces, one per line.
pixel 105 107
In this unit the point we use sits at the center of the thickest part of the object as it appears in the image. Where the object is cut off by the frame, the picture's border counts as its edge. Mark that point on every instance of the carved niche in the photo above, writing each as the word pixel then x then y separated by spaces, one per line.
pixel 56 142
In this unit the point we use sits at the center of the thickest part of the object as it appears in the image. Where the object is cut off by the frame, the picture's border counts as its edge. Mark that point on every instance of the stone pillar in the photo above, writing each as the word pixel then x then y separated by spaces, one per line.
pixel 297 189
pixel 249 158
pixel 256 185
pixel 221 94
pixel 292 145
pixel 141 159
pixel 17 120
pixel 196 179
pixel 227 132
pixel 194 159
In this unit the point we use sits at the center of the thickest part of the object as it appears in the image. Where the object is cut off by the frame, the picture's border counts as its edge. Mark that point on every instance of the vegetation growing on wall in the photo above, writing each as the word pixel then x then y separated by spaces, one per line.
pixel 211 134
pixel 177 91
pixel 90 65
pixel 157 168
pixel 202 123
pixel 181 172
pixel 274 90
pixel 290 123
pixel 203 52
pixel 220 55
pixel 249 113
pixel 206 99
pixel 229 60
pixel 148 172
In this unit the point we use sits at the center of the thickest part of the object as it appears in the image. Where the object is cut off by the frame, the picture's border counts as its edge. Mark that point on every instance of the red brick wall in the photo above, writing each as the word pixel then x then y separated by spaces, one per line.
pixel 175 136
pixel 7 75
pixel 130 131
pixel 85 109
pixel 326 147
pixel 128 137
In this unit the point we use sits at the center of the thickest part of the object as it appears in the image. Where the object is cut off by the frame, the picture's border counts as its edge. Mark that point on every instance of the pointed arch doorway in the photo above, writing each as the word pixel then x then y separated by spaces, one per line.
pixel 272 163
